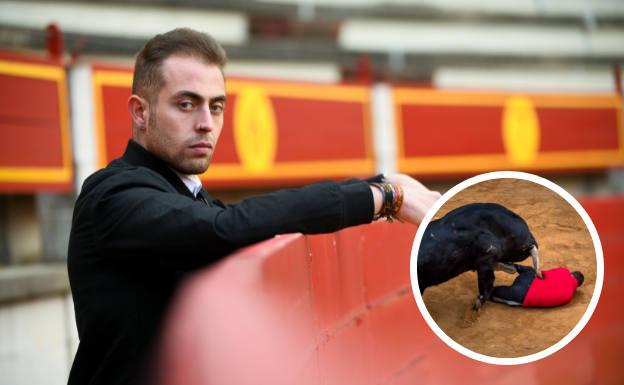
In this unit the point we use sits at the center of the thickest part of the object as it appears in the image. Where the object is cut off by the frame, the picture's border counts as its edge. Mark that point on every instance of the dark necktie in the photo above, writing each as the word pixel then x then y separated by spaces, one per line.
pixel 200 197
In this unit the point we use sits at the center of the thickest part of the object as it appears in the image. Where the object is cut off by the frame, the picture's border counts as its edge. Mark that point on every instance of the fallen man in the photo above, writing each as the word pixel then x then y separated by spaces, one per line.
pixel 555 289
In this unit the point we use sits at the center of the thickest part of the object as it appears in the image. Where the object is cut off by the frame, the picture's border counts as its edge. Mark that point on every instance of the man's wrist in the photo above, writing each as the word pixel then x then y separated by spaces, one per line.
pixel 391 200
pixel 377 199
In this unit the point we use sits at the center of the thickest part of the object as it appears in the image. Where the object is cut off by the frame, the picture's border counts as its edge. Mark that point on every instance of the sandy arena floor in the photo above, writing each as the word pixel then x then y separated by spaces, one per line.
pixel 563 239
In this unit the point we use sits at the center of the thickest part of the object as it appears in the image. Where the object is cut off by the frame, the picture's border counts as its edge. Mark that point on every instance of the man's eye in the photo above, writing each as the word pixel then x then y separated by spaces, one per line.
pixel 216 108
pixel 186 105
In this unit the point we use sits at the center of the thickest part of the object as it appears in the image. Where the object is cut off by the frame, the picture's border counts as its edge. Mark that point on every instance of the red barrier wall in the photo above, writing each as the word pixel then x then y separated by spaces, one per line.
pixel 338 309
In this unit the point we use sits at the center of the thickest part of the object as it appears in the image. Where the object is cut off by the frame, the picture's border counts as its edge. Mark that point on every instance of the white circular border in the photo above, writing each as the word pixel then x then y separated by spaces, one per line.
pixel 599 268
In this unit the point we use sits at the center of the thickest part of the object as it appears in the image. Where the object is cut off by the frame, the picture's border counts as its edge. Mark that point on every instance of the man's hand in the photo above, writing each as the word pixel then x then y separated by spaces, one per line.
pixel 417 199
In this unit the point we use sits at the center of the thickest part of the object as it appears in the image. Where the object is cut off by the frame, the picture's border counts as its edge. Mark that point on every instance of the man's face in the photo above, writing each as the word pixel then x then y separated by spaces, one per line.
pixel 185 123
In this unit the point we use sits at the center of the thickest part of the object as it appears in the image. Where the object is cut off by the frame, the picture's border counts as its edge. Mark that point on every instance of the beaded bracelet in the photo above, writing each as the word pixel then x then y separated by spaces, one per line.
pixel 392 200
pixel 398 202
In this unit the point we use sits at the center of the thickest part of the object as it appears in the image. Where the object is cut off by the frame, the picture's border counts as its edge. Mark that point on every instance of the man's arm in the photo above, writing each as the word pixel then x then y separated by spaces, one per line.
pixel 137 219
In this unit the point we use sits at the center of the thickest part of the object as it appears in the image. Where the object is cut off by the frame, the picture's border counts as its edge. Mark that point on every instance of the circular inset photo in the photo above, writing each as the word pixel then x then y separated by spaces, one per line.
pixel 507 268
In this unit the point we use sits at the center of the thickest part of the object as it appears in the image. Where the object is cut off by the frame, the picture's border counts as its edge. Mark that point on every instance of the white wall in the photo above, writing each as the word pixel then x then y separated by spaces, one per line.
pixel 37 341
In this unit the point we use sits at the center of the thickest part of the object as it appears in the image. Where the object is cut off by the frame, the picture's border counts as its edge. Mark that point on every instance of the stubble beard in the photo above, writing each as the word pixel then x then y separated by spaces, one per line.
pixel 193 166
pixel 178 161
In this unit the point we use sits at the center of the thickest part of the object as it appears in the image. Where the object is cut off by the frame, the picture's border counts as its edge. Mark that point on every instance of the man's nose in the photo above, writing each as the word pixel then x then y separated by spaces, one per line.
pixel 205 120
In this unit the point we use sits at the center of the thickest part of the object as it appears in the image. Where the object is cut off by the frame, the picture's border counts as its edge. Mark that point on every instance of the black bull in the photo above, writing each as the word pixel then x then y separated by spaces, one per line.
pixel 477 236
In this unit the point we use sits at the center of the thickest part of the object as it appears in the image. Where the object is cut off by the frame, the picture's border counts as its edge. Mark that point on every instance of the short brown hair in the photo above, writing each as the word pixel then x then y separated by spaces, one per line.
pixel 148 79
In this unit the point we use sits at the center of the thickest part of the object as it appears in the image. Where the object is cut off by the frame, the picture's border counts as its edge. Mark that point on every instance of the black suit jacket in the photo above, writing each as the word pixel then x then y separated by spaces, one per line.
pixel 137 230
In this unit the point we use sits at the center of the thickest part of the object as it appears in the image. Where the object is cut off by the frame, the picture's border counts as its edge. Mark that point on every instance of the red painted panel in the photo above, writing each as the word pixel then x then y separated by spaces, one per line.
pixel 350 250
pixel 285 272
pixel 35 153
pixel 607 214
pixel 315 130
pixel 308 130
pixel 285 283
pixel 451 130
pixel 396 337
pixel 116 120
pixel 386 259
pixel 443 365
pixel 566 129
pixel 336 282
pixel 343 356
pixel 226 148
pixel 30 131
pixel 452 371
pixel 310 373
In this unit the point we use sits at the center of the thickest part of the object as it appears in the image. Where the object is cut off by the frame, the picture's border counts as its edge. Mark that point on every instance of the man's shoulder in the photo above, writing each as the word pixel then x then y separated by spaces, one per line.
pixel 119 175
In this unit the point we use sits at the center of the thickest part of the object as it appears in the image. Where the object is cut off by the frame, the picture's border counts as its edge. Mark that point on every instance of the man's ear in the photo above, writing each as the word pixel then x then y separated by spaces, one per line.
pixel 138 108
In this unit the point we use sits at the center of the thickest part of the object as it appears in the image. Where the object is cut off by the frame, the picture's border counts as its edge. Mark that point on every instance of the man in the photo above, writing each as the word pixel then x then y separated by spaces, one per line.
pixel 555 289
pixel 144 222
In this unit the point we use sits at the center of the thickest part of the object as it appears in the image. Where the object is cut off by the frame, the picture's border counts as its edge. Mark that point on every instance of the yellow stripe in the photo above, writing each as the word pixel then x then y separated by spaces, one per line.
pixel 64 125
pixel 290 90
pixel 310 169
pixel 34 71
pixel 492 99
pixel 100 134
pixel 479 163
pixel 112 78
pixel 305 91
pixel 620 121
pixel 577 101
pixel 35 175
pixel 399 130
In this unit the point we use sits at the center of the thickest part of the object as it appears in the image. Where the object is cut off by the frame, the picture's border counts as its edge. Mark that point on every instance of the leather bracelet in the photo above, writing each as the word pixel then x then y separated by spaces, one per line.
pixel 383 200
pixel 392 199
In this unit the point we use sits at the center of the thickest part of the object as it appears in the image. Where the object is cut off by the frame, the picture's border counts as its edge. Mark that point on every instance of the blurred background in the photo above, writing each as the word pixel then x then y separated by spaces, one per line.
pixel 317 89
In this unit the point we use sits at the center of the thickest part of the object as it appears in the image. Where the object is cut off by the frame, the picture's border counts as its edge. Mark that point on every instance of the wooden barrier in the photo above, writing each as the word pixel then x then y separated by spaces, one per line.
pixel 338 309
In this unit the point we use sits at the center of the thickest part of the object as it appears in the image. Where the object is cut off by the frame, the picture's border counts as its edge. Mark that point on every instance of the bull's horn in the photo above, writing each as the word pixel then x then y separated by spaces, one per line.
pixel 536 261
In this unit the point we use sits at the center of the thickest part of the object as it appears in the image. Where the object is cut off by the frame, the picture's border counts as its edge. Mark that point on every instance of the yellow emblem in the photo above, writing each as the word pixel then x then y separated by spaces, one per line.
pixel 521 131
pixel 255 131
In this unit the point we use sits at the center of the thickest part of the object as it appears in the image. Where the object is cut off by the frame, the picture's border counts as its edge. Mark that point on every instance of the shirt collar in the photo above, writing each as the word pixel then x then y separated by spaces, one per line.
pixel 192 182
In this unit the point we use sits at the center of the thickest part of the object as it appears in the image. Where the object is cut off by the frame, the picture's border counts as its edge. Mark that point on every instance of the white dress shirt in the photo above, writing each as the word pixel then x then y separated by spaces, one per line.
pixel 192 182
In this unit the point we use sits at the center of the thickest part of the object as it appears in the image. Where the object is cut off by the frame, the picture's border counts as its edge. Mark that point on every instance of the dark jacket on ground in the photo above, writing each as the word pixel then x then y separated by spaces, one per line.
pixel 136 232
